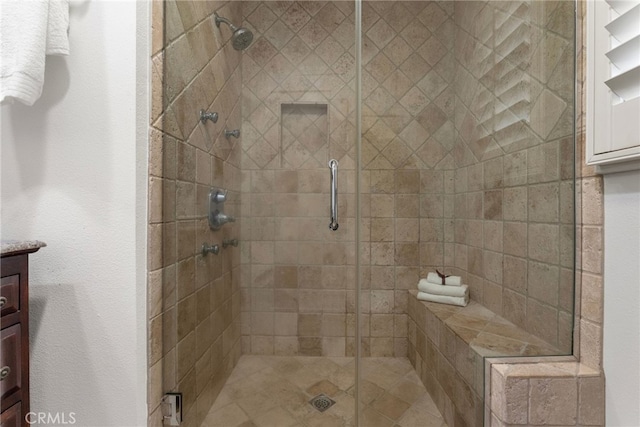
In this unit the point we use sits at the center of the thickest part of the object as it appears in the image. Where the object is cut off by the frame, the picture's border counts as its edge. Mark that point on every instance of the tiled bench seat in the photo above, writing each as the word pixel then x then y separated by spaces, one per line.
pixel 447 347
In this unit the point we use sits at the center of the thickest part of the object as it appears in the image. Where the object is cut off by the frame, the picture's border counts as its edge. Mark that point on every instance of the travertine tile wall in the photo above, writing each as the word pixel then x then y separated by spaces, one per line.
pixel 194 300
pixel 298 295
pixel 513 216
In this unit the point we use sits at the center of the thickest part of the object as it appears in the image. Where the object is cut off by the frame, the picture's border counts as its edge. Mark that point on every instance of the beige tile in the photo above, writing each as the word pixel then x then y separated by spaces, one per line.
pixel 591 297
pixel 590 344
pixel 543 281
pixel 324 386
pixel 493 235
pixel 592 249
pixel 515 203
pixel 230 415
pixel 543 242
pixel 544 203
pixel 186 350
pixel 408 391
pixel 372 418
pixel 186 310
pixel 390 406
pixel 542 320
pixel 310 346
pixel 309 324
pixel 553 401
pixel 516 395
pixel 590 406
pixel 277 417
pixel 592 210
pixel 285 323
pixel 493 204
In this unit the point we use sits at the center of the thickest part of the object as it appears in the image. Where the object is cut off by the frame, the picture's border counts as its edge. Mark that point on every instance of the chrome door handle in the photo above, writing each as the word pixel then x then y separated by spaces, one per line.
pixel 333 168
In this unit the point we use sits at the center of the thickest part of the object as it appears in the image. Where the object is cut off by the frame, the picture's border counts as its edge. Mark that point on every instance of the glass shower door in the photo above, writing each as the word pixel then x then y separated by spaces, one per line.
pixel 298 257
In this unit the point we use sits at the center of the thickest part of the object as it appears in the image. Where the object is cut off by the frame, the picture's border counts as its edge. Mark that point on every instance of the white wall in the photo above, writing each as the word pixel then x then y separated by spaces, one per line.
pixel 622 298
pixel 74 176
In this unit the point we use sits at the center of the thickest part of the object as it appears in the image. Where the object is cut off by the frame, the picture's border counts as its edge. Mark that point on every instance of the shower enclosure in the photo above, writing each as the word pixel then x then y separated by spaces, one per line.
pixel 445 132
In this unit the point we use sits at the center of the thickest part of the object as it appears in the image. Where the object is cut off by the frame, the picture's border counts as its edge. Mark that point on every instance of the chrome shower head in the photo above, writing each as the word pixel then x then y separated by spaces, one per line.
pixel 241 38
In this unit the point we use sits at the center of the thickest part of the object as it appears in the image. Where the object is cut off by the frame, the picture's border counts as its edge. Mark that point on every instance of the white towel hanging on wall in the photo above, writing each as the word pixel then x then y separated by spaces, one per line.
pixel 29 30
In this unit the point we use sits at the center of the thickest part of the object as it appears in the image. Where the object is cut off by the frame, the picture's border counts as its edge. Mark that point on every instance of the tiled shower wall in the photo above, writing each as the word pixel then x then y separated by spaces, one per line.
pixel 298 288
pixel 194 300
pixel 513 215
pixel 467 163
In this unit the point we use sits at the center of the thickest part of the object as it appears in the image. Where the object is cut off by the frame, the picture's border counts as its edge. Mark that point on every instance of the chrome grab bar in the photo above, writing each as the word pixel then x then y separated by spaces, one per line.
pixel 333 167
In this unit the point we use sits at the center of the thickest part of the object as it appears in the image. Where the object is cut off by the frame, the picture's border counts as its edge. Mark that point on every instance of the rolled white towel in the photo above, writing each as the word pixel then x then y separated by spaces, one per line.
pixel 449 281
pixel 444 299
pixel 452 291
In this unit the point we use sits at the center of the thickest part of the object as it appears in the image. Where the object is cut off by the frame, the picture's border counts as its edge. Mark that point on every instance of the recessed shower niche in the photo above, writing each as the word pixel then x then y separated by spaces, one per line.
pixel 304 135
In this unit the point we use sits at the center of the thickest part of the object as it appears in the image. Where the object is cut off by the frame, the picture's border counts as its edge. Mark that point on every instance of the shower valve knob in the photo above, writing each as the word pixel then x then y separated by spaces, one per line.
pixel 232 133
pixel 220 196
pixel 204 116
pixel 210 249
pixel 230 242
pixel 222 219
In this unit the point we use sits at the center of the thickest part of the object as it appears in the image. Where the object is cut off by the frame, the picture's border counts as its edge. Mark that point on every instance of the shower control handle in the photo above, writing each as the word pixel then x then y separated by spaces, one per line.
pixel 232 133
pixel 230 242
pixel 220 196
pixel 220 219
pixel 210 249
pixel 204 116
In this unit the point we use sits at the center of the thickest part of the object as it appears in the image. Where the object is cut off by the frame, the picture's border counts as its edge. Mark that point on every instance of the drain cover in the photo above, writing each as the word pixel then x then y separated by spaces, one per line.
pixel 322 402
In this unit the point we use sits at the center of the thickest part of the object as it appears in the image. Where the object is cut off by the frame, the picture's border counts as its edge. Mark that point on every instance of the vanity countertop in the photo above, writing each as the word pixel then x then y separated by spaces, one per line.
pixel 10 247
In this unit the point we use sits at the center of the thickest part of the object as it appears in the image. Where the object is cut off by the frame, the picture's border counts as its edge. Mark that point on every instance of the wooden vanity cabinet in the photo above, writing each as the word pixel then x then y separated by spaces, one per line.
pixel 14 349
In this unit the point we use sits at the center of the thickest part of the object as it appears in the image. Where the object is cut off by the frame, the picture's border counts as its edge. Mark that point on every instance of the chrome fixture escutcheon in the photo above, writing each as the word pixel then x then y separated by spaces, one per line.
pixel 217 218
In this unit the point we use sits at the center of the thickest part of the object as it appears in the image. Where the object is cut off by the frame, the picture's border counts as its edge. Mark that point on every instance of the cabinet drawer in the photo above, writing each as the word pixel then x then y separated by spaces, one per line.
pixel 10 367
pixel 12 417
pixel 10 295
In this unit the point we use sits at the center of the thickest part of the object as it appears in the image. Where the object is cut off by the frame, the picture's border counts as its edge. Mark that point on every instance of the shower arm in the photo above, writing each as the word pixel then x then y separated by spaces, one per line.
pixel 220 19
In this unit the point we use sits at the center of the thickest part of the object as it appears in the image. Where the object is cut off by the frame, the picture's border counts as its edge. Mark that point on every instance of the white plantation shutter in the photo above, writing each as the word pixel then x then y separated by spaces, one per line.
pixel 613 80
pixel 625 52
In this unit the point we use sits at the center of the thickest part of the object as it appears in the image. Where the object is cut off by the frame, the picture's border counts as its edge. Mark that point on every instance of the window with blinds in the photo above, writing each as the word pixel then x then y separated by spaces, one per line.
pixel 613 55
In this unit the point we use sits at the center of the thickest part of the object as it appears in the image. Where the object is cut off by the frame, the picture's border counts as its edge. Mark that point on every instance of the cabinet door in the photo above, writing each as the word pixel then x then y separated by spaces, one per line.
pixel 12 417
pixel 10 369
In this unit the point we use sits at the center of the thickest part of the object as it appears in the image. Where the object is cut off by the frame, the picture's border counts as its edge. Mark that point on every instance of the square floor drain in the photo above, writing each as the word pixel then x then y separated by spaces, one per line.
pixel 322 402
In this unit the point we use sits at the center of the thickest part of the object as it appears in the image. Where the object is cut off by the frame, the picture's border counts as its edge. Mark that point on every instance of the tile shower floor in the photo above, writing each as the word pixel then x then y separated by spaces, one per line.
pixel 274 391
